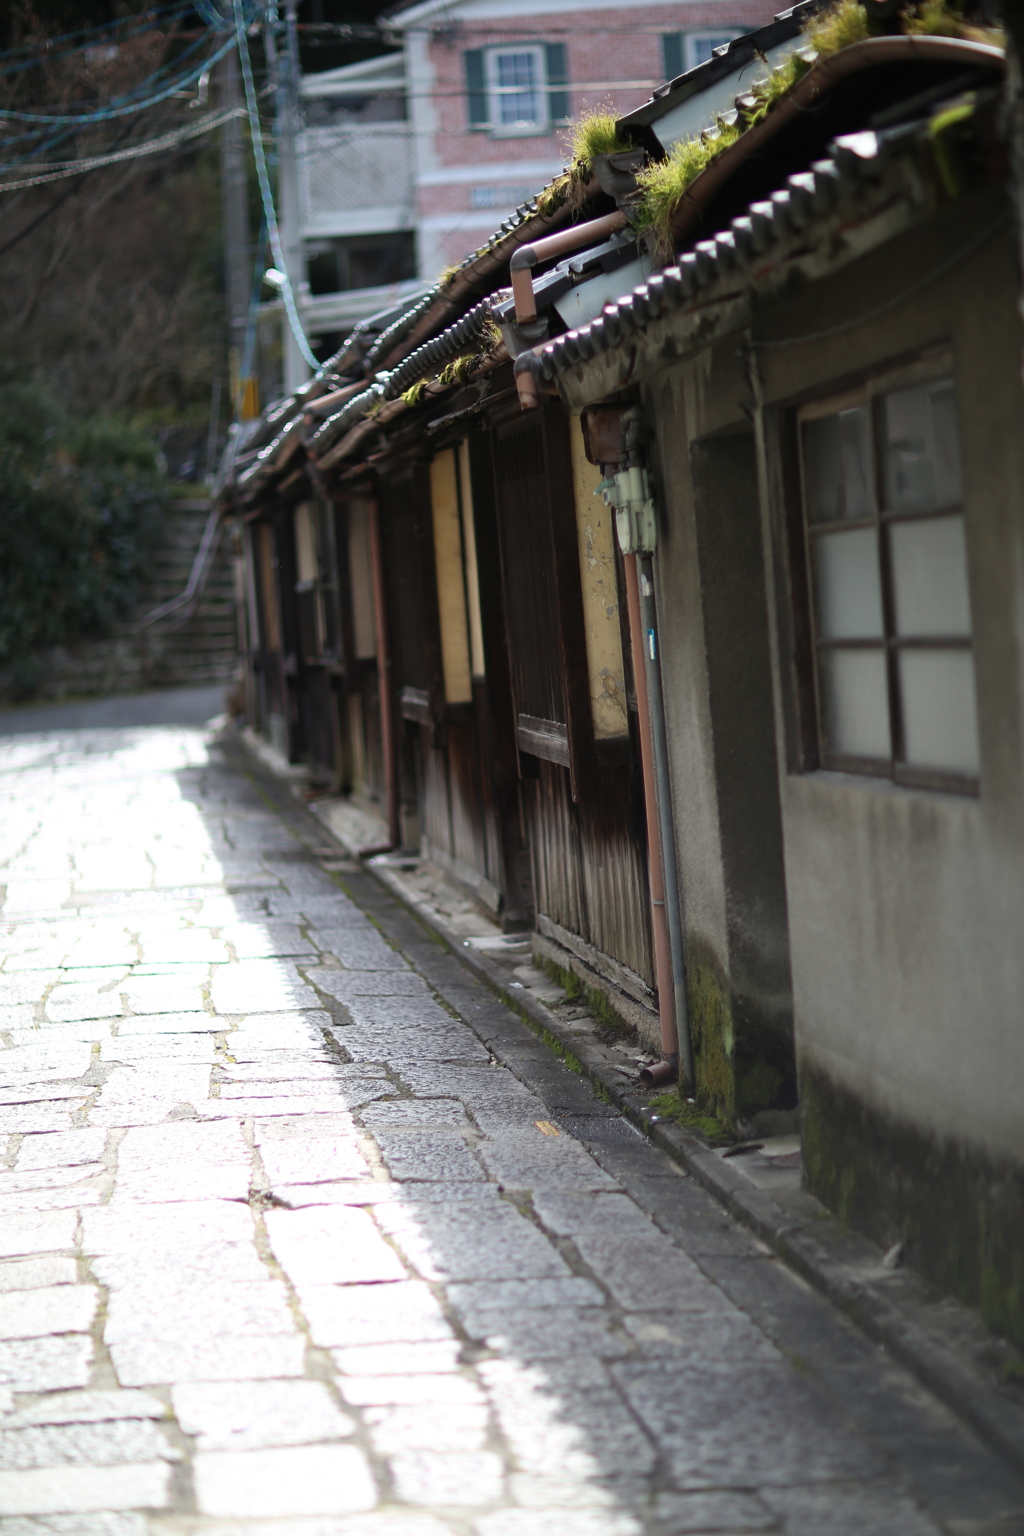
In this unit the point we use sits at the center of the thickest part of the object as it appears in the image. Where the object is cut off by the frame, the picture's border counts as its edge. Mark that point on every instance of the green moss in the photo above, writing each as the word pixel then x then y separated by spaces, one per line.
pixel 958 1212
pixel 671 1106
pixel 665 183
pixel 414 394
pixel 608 1021
pixel 711 1032
pixel 758 1088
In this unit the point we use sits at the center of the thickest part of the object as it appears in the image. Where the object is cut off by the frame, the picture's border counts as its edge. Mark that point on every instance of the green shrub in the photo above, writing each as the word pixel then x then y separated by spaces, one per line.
pixel 80 506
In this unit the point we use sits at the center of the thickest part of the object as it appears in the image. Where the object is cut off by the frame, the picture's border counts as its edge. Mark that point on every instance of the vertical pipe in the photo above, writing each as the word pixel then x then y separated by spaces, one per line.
pixel 673 901
pixel 235 215
pixel 659 920
pixel 388 744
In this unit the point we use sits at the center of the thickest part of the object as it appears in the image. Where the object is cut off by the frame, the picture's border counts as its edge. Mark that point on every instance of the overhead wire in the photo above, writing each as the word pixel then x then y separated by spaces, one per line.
pixel 266 193
pixel 169 140
pixel 125 105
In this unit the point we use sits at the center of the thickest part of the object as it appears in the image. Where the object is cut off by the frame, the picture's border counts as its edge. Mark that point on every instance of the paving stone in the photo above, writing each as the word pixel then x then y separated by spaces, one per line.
pixel 253 1414
pixel 493 1242
pixel 405 1312
pixel 151 1362
pixel 99 1444
pixel 306 1480
pixel 679 1513
pixel 87 1408
pixel 78 1489
pixel 428 1427
pixel 305 1128
pixel 347 985
pixel 434 1155
pixel 97 1523
pixel 30 1274
pixel 557 1522
pixel 439 1392
pixel 770 1428
pixel 26 1232
pixel 415 1114
pixel 265 940
pixel 447 1478
pixel 536 1162
pixel 548 1333
pixel 37 1180
pixel 313 1162
pixel 53 1309
pixel 161 1307
pixel 260 985
pixel 380 1522
pixel 397 1359
pixel 46 1364
pixel 153 1230
pixel 335 1244
pixel 881 1509
pixel 480 1296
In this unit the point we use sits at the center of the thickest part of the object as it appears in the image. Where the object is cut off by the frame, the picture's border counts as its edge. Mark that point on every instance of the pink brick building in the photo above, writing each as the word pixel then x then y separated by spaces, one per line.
pixel 409 161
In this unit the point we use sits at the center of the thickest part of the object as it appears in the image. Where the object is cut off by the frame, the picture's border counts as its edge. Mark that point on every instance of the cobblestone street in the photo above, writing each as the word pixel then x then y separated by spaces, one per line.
pixel 286 1248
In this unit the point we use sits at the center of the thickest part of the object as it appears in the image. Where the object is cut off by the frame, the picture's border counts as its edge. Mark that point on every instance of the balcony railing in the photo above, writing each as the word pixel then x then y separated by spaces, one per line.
pixel 347 172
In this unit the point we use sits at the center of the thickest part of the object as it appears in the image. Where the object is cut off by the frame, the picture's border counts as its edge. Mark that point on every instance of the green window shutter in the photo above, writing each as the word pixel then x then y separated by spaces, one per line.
pixel 558 79
pixel 476 88
pixel 672 54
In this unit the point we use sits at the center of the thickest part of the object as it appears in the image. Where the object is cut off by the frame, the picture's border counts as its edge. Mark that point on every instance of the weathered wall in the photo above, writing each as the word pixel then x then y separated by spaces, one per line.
pixel 907 906
pixel 720 727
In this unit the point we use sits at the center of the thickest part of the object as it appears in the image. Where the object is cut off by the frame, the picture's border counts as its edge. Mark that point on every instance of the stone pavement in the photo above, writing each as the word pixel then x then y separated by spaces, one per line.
pixel 285 1248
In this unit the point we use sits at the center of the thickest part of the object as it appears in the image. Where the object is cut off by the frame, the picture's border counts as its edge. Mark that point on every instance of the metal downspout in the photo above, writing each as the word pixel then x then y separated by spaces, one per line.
pixel 388 745
pixel 665 1070
pixel 673 900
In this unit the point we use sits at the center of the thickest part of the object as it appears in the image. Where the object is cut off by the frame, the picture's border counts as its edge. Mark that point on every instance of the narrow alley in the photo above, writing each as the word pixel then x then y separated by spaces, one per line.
pixel 286 1248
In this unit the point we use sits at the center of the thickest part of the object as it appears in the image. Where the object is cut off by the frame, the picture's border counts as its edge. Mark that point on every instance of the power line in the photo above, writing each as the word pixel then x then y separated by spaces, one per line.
pixel 108 113
pixel 273 233
pixel 169 140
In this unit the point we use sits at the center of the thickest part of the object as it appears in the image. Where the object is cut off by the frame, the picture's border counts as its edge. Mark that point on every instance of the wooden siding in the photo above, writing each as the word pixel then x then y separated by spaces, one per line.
pixel 590 864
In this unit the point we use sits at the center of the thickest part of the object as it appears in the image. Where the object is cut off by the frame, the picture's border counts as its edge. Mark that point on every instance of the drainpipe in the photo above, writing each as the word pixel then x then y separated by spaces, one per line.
pixel 673 900
pixel 572 239
pixel 666 1070
pixel 628 492
pixel 387 714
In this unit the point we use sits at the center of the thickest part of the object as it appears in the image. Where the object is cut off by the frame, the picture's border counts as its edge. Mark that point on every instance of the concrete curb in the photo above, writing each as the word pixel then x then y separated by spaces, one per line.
pixel 897 1312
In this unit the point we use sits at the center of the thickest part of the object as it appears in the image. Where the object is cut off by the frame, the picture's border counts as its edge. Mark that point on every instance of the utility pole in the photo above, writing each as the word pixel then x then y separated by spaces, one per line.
pixel 237 248
pixel 296 369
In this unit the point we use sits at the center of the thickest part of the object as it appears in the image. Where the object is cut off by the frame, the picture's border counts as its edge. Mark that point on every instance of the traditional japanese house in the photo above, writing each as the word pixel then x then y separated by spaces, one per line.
pixel 753 710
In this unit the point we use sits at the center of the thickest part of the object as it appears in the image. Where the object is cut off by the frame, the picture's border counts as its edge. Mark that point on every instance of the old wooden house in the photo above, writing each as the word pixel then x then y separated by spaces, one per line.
pixel 739 734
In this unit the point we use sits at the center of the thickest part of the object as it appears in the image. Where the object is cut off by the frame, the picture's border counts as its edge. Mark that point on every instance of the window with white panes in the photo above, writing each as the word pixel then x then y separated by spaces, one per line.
pixel 517 88
pixel 887 563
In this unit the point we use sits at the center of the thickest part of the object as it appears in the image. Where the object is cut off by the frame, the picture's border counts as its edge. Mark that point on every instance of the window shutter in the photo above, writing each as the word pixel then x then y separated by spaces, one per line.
pixel 476 88
pixel 672 54
pixel 558 96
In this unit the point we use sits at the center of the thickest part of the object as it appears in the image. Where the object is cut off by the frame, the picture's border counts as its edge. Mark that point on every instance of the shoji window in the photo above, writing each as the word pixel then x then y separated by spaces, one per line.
pixel 887 560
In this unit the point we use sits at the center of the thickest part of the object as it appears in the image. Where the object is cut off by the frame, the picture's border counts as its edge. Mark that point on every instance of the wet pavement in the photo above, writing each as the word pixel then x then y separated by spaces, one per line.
pixel 286 1248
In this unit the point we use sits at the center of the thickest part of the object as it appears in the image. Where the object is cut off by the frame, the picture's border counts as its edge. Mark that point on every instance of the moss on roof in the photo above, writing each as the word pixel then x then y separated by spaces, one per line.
pixel 665 183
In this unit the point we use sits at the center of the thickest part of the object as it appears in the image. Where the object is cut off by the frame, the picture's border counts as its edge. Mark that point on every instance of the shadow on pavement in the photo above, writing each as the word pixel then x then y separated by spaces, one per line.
pixel 173 706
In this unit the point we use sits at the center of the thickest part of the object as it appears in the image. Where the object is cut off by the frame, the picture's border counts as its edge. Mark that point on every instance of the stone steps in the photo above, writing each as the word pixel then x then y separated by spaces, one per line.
pixel 203 652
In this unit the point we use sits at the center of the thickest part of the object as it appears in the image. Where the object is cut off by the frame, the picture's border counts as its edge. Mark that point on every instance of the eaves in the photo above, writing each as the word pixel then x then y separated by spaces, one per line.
pixel 819 223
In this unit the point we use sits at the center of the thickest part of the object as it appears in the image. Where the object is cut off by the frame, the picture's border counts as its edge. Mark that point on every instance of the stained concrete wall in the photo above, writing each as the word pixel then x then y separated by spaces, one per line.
pixel 896 914
pixel 717 680
pixel 906 906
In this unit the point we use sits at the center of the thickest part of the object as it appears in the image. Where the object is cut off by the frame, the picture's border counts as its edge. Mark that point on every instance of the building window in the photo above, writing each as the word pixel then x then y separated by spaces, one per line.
pixel 360 261
pixel 682 51
pixel 887 562
pixel 516 90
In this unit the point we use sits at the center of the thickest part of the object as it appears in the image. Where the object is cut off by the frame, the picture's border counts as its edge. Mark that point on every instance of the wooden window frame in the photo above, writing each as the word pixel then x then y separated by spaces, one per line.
pixel 869 394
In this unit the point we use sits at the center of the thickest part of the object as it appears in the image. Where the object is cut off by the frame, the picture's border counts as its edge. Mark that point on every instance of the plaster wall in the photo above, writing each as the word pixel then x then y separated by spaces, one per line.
pixel 906 905
pixel 673 404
